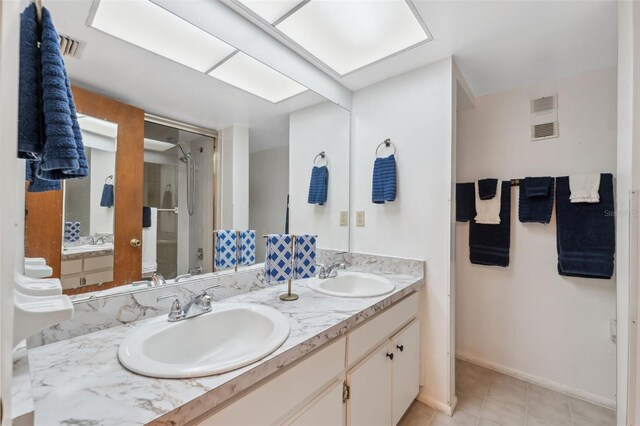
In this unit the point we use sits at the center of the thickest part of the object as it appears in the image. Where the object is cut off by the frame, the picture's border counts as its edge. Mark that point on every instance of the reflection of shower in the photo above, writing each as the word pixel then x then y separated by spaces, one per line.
pixel 191 176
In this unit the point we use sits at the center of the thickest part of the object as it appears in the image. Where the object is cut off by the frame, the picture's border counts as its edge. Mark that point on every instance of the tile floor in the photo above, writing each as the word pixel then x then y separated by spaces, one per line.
pixel 488 398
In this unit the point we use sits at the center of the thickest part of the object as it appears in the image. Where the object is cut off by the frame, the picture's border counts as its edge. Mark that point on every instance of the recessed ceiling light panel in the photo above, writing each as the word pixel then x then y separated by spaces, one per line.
pixel 250 75
pixel 349 34
pixel 153 28
pixel 271 10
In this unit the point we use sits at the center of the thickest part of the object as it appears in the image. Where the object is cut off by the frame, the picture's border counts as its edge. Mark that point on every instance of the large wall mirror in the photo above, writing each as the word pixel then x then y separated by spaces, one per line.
pixel 181 160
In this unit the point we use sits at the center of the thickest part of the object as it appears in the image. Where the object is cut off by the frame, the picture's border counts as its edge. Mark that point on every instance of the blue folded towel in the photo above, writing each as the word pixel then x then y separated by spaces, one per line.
pixel 278 259
pixel 318 185
pixel 36 184
pixel 487 188
pixel 226 246
pixel 247 247
pixel 63 154
pixel 465 202
pixel 30 142
pixel 305 256
pixel 586 238
pixel 146 217
pixel 383 188
pixel 107 196
pixel 535 199
pixel 489 244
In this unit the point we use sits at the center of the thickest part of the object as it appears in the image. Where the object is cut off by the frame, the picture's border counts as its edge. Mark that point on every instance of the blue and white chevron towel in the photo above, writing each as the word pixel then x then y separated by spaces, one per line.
pixel 278 260
pixel 247 247
pixel 226 249
pixel 384 180
pixel 71 232
pixel 305 256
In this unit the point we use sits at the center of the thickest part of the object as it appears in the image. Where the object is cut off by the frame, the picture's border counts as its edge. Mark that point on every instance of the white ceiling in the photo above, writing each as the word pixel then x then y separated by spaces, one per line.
pixel 497 45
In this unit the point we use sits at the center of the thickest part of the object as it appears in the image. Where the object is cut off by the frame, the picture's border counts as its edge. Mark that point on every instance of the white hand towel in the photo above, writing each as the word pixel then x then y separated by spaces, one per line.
pixel 488 211
pixel 149 244
pixel 585 188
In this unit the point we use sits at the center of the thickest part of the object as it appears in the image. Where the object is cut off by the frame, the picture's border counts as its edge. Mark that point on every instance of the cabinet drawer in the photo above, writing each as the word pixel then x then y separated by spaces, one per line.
pixel 70 282
pixel 98 277
pixel 285 394
pixel 68 267
pixel 100 262
pixel 369 335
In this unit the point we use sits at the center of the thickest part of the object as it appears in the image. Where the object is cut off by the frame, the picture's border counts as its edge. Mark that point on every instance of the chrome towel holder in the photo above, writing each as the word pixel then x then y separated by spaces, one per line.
pixel 387 143
pixel 323 156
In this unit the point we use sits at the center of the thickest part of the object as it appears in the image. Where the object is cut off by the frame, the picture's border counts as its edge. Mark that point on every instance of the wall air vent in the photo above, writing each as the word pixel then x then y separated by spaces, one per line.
pixel 544 117
pixel 69 46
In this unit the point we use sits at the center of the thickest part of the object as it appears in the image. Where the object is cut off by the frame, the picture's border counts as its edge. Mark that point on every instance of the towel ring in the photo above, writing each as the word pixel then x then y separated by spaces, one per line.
pixel 387 143
pixel 109 178
pixel 322 156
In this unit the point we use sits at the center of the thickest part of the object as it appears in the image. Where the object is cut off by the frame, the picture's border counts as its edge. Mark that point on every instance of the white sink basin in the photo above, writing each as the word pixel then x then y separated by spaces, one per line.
pixel 231 336
pixel 352 284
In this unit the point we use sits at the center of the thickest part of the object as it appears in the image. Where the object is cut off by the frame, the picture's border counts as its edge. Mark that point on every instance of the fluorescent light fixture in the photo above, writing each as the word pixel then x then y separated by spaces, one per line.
pixel 153 28
pixel 349 34
pixel 271 10
pixel 250 75
pixel 157 146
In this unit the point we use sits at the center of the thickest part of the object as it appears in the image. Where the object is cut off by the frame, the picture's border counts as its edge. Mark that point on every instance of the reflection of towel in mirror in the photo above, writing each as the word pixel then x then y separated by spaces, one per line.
pixel 247 247
pixel 107 195
pixel 278 259
pixel 149 243
pixel 305 256
pixel 226 255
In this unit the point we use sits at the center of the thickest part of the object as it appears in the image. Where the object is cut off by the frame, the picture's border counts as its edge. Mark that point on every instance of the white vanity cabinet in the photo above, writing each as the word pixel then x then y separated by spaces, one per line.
pixel 368 378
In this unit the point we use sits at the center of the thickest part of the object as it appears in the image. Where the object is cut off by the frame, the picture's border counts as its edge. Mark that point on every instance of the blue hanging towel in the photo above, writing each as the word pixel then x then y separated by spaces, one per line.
pixel 535 199
pixel 305 256
pixel 487 188
pixel 36 184
pixel 489 243
pixel 279 257
pixel 318 185
pixel 247 247
pixel 71 232
pixel 107 198
pixel 226 246
pixel 586 234
pixel 383 188
pixel 63 154
pixel 465 201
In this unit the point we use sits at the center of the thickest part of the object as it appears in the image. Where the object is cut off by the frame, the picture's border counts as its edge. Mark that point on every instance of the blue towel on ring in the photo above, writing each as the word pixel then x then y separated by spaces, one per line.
pixel 384 181
pixel 489 244
pixel 305 256
pixel 226 245
pixel 318 185
pixel 107 198
pixel 247 247
pixel 279 257
pixel 586 234
pixel 535 199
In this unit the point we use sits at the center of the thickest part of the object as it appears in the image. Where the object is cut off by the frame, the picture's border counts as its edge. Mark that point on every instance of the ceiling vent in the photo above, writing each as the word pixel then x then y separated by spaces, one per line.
pixel 544 118
pixel 69 46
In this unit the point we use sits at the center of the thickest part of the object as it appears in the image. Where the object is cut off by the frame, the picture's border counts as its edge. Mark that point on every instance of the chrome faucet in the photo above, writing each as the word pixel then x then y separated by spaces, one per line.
pixel 158 279
pixel 99 240
pixel 197 305
pixel 182 277
pixel 331 271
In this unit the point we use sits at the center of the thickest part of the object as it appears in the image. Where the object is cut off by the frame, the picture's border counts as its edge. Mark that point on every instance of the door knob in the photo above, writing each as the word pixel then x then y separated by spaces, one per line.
pixel 390 355
pixel 401 347
pixel 135 243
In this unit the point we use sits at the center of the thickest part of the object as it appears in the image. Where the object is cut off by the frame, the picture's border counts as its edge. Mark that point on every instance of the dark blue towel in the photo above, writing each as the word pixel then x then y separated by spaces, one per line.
pixel 36 184
pixel 383 187
pixel 586 237
pixel 107 196
pixel 535 199
pixel 318 185
pixel 487 188
pixel 489 244
pixel 465 201
pixel 30 142
pixel 63 155
pixel 146 217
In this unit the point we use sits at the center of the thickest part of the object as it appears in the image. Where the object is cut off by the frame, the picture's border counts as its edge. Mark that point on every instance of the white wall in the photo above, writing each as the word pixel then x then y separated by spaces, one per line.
pixel 414 110
pixel 322 127
pixel 268 190
pixel 234 178
pixel 526 317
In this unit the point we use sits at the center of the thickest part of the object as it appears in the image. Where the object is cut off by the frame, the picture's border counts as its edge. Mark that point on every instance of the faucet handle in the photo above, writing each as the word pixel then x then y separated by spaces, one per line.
pixel 176 311
pixel 206 290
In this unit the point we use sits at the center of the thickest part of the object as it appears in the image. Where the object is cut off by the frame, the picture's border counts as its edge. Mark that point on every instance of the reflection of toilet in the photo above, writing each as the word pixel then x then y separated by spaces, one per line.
pixel 33 313
pixel 38 271
pixel 38 287
pixel 34 261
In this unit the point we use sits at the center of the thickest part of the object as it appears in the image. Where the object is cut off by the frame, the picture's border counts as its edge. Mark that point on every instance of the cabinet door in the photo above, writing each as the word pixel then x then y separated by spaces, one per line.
pixel 327 411
pixel 369 401
pixel 406 369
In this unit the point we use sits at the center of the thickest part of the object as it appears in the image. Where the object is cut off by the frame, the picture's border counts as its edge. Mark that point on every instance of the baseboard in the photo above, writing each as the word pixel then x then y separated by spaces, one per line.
pixel 536 380
pixel 438 405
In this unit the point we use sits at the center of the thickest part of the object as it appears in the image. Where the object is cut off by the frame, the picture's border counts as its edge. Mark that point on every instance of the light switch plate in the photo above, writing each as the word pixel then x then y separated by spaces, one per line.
pixel 360 218
pixel 344 218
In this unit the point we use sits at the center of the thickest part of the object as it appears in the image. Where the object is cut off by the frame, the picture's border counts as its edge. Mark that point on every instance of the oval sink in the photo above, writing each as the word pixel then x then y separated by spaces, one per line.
pixel 352 284
pixel 231 336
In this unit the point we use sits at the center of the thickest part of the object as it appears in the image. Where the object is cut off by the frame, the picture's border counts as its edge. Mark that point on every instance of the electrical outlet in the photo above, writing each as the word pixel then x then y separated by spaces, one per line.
pixel 344 218
pixel 360 218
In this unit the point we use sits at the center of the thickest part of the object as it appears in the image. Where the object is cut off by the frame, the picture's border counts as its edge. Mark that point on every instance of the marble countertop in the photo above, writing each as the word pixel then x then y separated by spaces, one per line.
pixel 80 380
pixel 87 250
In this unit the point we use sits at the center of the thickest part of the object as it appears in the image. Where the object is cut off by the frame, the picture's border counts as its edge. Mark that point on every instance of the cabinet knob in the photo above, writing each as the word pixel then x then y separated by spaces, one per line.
pixel 135 243
pixel 401 347
pixel 390 356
